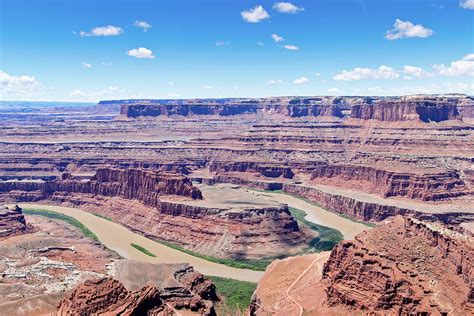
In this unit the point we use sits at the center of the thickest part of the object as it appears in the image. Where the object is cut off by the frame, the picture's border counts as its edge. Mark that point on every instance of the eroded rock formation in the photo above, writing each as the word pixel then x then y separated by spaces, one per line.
pixel 168 207
pixel 143 185
pixel 405 267
pixel 12 222
pixel 401 267
pixel 146 289
pixel 428 185
pixel 406 110
pixel 290 107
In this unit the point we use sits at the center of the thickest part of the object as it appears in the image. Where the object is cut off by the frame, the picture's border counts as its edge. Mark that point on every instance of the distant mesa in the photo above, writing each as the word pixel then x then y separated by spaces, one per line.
pixel 423 108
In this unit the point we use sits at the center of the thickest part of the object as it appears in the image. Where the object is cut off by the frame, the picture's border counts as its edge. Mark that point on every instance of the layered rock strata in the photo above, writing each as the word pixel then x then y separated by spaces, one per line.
pixel 169 208
pixel 401 267
pixel 426 186
pixel 143 185
pixel 185 290
pixel 12 222
pixel 296 107
pixel 404 267
pixel 402 110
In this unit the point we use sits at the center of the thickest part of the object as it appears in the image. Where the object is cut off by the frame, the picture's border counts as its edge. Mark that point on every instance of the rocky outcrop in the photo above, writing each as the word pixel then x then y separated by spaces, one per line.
pixel 143 185
pixel 108 296
pixel 303 110
pixel 12 222
pixel 427 186
pixel 406 110
pixel 166 207
pixel 140 288
pixel 404 267
pixel 265 169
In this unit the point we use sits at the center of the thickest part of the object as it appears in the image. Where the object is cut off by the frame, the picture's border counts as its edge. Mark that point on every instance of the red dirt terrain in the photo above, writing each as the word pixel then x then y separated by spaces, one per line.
pixel 403 267
pixel 178 171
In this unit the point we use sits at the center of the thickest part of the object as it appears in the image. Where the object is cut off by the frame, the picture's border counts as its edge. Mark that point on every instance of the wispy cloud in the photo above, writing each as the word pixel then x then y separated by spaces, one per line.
pixel 108 30
pixel 301 80
pixel 255 15
pixel 467 4
pixel 291 47
pixel 383 72
pixel 334 90
pixel 274 82
pixel 287 7
pixel 86 65
pixel 207 87
pixel 222 43
pixel 82 95
pixel 406 29
pixel 143 25
pixel 277 38
pixel 141 52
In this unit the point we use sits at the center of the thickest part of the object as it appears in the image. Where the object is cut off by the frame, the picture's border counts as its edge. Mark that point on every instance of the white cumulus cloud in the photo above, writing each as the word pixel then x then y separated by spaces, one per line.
pixel 301 80
pixel 255 15
pixel 108 30
pixel 141 52
pixel 383 72
pixel 17 86
pixel 86 65
pixel 406 29
pixel 334 90
pixel 287 7
pixel 277 38
pixel 143 25
pixel 415 72
pixel 462 67
pixel 467 4
pixel 291 47
pixel 206 86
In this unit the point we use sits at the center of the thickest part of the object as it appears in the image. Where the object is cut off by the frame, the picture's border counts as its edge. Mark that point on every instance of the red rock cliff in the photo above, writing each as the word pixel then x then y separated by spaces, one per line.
pixel 429 186
pixel 406 110
pixel 12 222
pixel 144 185
pixel 403 267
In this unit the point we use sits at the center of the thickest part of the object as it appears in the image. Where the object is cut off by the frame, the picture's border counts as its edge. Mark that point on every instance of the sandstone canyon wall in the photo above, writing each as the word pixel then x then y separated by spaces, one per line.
pixel 404 267
pixel 12 222
pixel 161 206
pixel 394 111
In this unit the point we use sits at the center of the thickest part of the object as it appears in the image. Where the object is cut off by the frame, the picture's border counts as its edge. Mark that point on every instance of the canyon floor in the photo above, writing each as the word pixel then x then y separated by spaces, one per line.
pixel 234 189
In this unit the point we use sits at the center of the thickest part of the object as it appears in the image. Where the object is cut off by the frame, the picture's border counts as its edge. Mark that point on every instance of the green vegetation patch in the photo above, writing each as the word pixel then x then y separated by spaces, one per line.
pixel 68 219
pixel 327 237
pixel 256 265
pixel 368 224
pixel 104 217
pixel 141 249
pixel 236 294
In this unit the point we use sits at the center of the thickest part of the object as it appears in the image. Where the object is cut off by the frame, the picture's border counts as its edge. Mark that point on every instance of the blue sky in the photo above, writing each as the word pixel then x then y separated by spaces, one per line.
pixel 90 50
